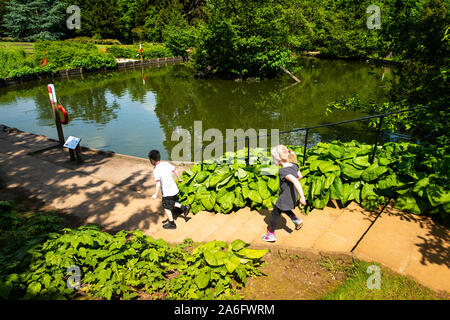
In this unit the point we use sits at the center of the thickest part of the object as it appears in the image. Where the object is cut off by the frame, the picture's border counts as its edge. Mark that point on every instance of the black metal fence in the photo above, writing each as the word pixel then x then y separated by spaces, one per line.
pixel 308 129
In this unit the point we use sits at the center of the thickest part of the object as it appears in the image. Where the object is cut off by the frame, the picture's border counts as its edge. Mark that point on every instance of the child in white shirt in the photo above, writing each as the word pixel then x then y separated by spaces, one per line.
pixel 163 173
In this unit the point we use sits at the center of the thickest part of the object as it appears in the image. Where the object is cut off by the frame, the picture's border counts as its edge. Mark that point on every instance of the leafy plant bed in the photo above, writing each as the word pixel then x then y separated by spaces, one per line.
pixel 38 258
pixel 290 274
pixel 416 176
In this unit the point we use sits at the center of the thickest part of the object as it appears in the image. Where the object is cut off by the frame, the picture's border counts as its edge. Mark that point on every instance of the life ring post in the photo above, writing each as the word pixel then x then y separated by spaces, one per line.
pixel 54 102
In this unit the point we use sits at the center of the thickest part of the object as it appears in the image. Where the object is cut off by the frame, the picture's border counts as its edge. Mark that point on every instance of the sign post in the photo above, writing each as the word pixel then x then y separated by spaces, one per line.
pixel 73 143
pixel 54 102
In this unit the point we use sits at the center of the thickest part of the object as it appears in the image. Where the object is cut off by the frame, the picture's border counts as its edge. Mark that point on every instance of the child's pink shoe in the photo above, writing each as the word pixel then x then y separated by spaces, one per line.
pixel 269 237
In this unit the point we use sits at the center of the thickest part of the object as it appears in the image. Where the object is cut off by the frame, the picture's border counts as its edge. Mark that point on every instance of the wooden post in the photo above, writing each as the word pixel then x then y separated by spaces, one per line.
pixel 53 101
pixel 306 144
pixel 380 123
pixel 78 153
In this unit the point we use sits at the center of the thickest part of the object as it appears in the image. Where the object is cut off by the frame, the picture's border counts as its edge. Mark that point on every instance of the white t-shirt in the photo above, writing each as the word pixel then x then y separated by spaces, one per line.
pixel 163 172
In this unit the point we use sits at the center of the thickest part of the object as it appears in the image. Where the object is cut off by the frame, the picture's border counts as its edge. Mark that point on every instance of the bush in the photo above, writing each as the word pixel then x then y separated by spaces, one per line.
pixel 36 253
pixel 178 40
pixel 94 61
pixel 132 52
pixel 122 52
pixel 95 41
pixel 67 54
pixel 13 59
pixel 156 51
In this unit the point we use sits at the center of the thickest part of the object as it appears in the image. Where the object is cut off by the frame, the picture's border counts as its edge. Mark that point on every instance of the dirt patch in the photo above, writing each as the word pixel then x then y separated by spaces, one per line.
pixel 297 275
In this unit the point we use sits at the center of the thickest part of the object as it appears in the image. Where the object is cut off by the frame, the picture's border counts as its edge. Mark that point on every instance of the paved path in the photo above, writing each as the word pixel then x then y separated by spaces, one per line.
pixel 115 192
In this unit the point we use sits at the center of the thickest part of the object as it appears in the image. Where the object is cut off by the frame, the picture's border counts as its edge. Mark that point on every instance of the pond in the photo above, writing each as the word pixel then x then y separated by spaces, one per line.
pixel 133 111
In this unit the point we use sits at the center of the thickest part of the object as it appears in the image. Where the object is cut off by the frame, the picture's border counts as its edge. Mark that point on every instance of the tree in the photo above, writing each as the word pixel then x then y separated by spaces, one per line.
pixel 3 11
pixel 416 33
pixel 32 20
pixel 242 39
pixel 99 18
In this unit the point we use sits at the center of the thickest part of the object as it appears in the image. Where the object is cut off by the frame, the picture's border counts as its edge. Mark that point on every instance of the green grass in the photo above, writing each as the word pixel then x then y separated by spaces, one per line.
pixel 27 49
pixel 393 287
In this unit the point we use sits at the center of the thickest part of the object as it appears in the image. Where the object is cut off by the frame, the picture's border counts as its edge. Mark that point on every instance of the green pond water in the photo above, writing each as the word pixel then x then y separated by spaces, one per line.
pixel 118 111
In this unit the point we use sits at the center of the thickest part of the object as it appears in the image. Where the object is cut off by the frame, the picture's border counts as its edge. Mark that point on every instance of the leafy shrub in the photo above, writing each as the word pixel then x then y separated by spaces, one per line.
pixel 151 51
pixel 61 53
pixel 416 176
pixel 95 41
pixel 178 40
pixel 13 59
pixel 94 61
pixel 36 254
pixel 123 52
pixel 29 71
pixel 156 51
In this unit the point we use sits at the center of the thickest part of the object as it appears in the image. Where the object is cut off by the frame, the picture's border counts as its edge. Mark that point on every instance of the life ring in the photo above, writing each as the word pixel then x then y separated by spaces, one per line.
pixel 65 114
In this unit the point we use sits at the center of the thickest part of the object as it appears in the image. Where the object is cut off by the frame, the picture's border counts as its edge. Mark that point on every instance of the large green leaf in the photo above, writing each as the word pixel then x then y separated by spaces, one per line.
pixel 361 162
pixel 239 200
pixel 208 200
pixel 350 172
pixel 347 193
pixel 252 253
pixel 214 257
pixel 388 182
pixel 238 244
pixel 336 151
pixel 241 174
pixel 321 201
pixel 232 263
pixel 273 185
pixel 262 189
pixel 321 165
pixel 337 189
pixel 373 172
pixel 254 196
pixel 329 179
pixel 408 203
pixel 201 176
pixel 203 277
pixel 437 195
pixel 226 201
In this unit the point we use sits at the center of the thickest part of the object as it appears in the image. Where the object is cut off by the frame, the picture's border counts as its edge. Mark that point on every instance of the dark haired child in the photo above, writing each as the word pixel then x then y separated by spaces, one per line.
pixel 163 173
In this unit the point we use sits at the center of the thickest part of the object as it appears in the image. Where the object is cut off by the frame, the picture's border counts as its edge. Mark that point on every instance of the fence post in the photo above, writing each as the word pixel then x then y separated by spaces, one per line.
pixel 304 150
pixel 380 123
pixel 247 142
pixel 201 157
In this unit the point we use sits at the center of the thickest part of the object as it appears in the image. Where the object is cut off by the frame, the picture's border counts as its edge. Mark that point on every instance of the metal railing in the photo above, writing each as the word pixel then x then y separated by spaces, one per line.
pixel 308 129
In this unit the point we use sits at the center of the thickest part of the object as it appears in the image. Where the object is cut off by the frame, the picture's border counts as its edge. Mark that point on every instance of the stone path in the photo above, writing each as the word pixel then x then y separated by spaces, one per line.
pixel 115 192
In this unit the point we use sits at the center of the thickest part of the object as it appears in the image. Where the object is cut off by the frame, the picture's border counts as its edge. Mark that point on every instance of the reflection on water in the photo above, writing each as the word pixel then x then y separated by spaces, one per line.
pixel 124 112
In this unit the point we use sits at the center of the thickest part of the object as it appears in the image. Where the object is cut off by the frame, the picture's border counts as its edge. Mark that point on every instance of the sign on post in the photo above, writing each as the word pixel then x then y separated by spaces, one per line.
pixel 73 143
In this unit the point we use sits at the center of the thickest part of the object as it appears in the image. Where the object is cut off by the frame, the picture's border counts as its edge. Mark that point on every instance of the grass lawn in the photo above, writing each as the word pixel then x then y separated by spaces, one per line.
pixel 392 286
pixel 27 46
pixel 297 275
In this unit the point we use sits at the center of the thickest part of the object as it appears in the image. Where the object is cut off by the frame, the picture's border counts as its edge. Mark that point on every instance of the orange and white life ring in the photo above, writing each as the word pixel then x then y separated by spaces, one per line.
pixel 65 115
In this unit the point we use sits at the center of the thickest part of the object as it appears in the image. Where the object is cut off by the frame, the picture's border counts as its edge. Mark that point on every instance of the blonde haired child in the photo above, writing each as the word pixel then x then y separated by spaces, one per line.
pixel 290 189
